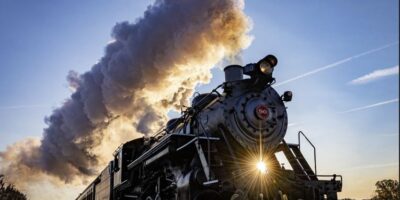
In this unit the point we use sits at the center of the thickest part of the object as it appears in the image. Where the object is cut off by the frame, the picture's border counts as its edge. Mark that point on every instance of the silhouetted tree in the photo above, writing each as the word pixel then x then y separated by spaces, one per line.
pixel 8 191
pixel 387 189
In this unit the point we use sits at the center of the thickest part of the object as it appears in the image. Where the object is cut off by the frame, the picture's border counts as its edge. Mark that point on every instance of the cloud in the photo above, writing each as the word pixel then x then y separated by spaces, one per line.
pixel 371 106
pixel 335 64
pixel 375 75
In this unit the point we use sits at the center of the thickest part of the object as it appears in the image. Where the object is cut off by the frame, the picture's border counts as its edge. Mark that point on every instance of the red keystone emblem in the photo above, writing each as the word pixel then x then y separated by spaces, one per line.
pixel 262 112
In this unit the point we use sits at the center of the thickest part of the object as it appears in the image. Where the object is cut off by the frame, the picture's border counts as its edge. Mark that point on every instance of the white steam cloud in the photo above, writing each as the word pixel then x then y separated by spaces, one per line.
pixel 150 67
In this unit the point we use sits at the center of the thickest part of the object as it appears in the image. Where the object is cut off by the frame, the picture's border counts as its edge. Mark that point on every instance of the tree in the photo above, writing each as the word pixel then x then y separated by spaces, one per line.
pixel 387 189
pixel 8 191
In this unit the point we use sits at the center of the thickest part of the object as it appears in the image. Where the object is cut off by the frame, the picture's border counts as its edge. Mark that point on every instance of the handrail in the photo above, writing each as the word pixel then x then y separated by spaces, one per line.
pixel 334 176
pixel 312 145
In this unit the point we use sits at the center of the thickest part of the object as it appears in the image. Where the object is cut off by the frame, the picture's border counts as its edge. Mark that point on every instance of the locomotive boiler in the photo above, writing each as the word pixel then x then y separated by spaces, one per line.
pixel 228 145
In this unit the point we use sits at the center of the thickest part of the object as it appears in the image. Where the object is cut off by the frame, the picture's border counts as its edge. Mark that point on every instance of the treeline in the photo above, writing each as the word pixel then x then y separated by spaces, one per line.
pixel 9 192
pixel 386 189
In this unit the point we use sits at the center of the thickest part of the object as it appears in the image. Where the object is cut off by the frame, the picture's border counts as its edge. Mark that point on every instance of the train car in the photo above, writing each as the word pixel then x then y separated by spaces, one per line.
pixel 88 193
pixel 226 146
pixel 103 184
pixel 100 188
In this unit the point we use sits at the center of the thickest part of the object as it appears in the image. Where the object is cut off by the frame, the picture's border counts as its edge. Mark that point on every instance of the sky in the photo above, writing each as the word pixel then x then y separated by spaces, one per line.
pixel 339 58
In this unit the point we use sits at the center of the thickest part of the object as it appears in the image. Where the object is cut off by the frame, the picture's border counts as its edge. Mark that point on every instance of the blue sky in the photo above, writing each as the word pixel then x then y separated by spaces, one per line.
pixel 42 42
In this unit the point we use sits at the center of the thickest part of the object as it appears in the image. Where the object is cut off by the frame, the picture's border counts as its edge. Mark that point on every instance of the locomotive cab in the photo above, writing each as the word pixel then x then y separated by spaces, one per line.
pixel 125 154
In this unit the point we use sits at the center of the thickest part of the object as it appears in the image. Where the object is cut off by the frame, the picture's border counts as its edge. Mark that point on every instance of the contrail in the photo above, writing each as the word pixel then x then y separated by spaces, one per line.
pixel 22 107
pixel 370 106
pixel 389 134
pixel 377 74
pixel 295 124
pixel 373 166
pixel 335 64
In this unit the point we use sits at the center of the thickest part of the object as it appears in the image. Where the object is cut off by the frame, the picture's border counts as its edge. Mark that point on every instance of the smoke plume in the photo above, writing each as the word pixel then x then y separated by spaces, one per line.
pixel 151 67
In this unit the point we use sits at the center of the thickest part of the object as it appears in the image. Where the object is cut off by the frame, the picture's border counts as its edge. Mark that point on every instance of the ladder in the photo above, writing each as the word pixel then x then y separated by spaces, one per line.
pixel 296 159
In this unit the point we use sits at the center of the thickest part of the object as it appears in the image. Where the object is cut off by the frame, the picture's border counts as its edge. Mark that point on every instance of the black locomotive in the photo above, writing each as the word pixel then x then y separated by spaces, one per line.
pixel 224 146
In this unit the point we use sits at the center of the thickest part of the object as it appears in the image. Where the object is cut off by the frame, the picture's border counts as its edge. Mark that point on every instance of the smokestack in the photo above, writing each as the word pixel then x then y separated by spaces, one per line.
pixel 151 67
pixel 233 73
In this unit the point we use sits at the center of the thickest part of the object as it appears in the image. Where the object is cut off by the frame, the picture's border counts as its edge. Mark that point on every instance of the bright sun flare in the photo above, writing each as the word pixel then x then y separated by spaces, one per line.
pixel 262 168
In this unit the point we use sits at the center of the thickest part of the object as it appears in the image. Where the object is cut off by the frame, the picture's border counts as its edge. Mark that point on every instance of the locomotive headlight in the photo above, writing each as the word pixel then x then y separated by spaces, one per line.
pixel 267 64
pixel 261 167
pixel 265 68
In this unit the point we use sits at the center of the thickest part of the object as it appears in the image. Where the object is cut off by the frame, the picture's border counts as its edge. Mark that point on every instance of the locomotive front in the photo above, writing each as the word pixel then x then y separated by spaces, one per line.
pixel 212 150
pixel 251 111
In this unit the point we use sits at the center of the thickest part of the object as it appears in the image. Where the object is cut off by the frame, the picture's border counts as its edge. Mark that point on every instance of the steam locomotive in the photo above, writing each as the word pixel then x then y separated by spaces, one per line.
pixel 228 145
